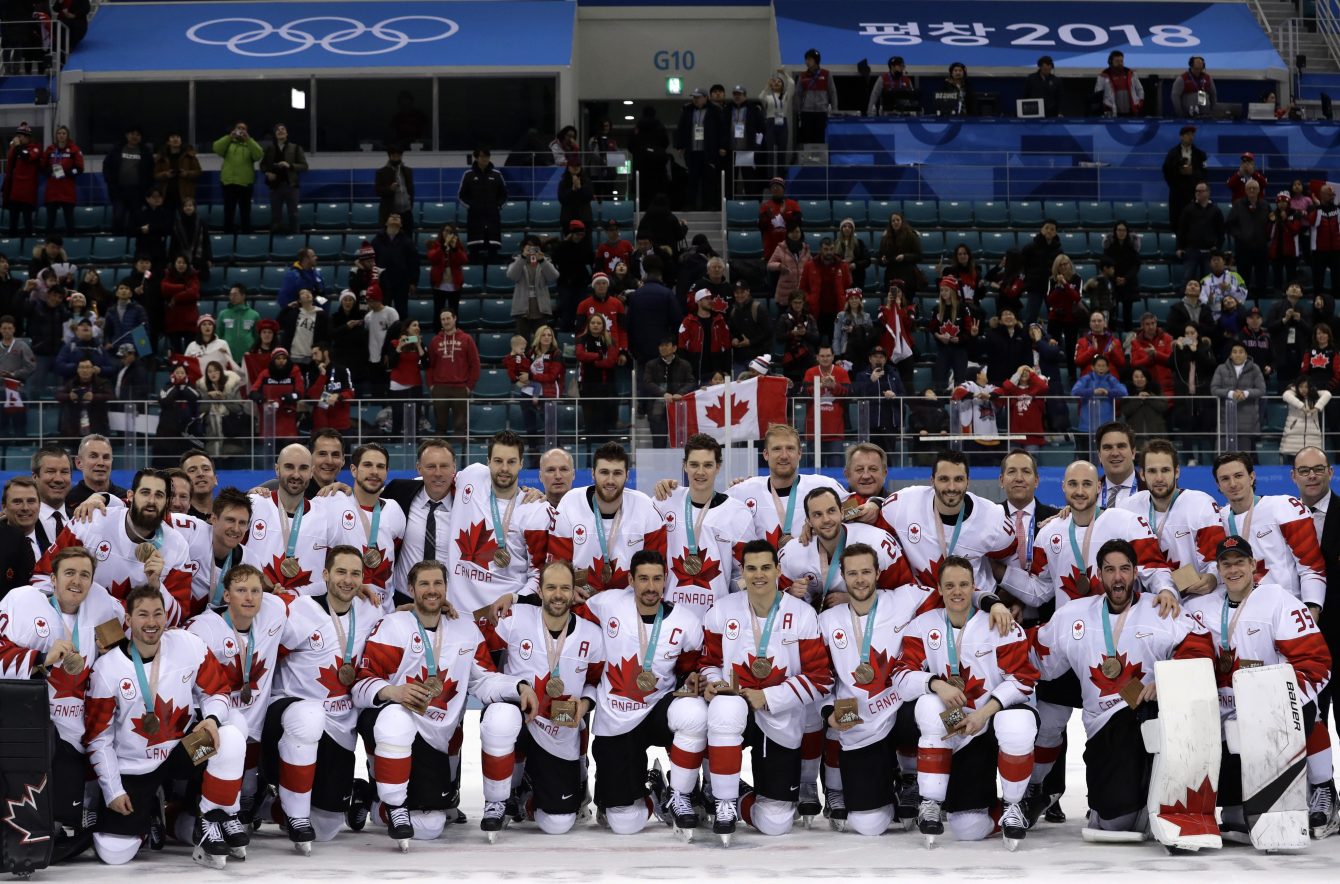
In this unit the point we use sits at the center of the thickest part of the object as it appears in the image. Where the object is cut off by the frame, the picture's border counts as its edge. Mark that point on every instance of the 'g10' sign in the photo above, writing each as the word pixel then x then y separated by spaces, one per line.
pixel 674 60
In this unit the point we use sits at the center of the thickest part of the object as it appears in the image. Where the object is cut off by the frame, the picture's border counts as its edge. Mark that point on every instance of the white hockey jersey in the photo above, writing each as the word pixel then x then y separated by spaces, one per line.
pixel 580 666
pixel 757 495
pixel 266 544
pixel 312 654
pixel 1188 533
pixel 189 677
pixel 1271 626
pixel 199 537
pixel 395 654
pixel 726 527
pixel 1073 640
pixel 986 534
pixel 1284 541
pixel 879 700
pixel 800 673
pixel 354 527
pixel 477 579
pixel 30 624
pixel 621 704
pixel 230 649
pixel 577 539
pixel 801 561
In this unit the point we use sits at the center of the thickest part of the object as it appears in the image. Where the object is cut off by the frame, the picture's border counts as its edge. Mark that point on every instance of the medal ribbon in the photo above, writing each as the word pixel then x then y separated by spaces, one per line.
pixel 216 577
pixel 649 647
pixel 373 530
pixel 831 567
pixel 251 646
pixel 436 645
pixel 940 527
pixel 502 523
pixel 346 642
pixel 1247 522
pixel 790 512
pixel 290 531
pixel 553 648
pixel 762 643
pixel 869 633
pixel 952 645
pixel 1111 635
pixel 693 527
pixel 1082 555
pixel 1227 629
pixel 74 631
pixel 149 685
pixel 1158 528
pixel 614 531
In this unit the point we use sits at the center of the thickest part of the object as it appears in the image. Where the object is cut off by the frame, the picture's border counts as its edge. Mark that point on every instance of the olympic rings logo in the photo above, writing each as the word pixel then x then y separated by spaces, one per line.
pixel 292 32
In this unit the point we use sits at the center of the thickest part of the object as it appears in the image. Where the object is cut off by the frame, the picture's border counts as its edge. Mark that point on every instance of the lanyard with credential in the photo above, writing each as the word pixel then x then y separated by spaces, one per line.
pixel 76 657
pixel 692 526
pixel 148 688
pixel 1246 523
pixel 790 511
pixel 1111 665
pixel 940 528
pixel 646 679
pixel 864 671
pixel 250 655
pixel 374 529
pixel 1158 527
pixel 831 567
pixel 614 532
pixel 1082 555
pixel 953 645
pixel 290 531
pixel 762 664
pixel 216 598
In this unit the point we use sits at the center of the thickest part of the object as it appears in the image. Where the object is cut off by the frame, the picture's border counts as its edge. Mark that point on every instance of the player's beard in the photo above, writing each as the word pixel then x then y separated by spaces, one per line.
pixel 504 481
pixel 1122 595
pixel 372 485
pixel 557 607
pixel 142 522
pixel 600 492
pixel 650 598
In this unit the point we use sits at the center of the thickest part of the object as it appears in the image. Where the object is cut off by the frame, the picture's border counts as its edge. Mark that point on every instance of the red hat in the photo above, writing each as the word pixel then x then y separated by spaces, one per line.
pixel 204 317
pixel 948 281
pixel 576 225
pixel 855 292
pixel 365 251
pixel 375 291
pixel 271 324
pixel 277 350
pixel 1248 155
pixel 599 275
pixel 778 181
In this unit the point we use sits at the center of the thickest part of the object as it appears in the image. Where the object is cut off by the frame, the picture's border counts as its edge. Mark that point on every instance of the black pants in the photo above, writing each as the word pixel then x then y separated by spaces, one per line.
pixel 237 202
pixel 1116 765
pixel 813 127
pixel 1284 270
pixel 1254 265
pixel 1321 262
pixel 697 196
pixel 20 212
pixel 68 210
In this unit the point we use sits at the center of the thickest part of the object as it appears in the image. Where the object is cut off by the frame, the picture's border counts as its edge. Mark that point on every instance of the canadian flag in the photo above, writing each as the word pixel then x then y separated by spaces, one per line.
pixel 1314 185
pixel 755 405
pixel 13 396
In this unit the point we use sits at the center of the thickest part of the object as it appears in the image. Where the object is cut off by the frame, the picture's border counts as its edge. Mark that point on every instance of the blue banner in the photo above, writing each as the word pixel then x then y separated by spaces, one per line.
pixel 984 34
pixel 248 36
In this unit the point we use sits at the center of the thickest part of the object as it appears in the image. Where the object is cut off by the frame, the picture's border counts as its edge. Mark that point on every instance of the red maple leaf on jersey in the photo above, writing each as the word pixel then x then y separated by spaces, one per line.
pixel 1077 584
pixel 1194 815
pixel 883 680
pixel 1225 679
pixel 477 544
pixel 448 687
pixel 618 576
pixel 623 680
pixel 118 589
pixel 379 575
pixel 710 570
pixel 930 576
pixel 1319 360
pixel 1108 686
pixel 279 581
pixel 171 722
pixel 545 700
pixel 329 678
pixel 63 684
pixel 973 688
pixel 745 675
pixel 774 537
pixel 234 670
pixel 716 412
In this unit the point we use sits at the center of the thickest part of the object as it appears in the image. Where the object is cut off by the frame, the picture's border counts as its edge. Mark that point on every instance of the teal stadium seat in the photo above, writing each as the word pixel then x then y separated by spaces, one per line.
pixel 991 214
pixel 621 212
pixel 468 316
pixel 434 215
pixel 878 212
pixel 252 247
pixel 514 214
pixel 90 219
pixel 817 213
pixel 1064 212
pixel 921 213
pixel 487 419
pixel 1134 214
pixel 493 384
pixel 1096 216
pixel 853 209
pixel 741 214
pixel 543 213
pixel 78 248
pixel 285 246
pixel 497 313
pixel 328 247
pixel 112 250
pixel 494 346
pixel 745 243
pixel 332 216
pixel 1026 214
pixel 955 214
pixel 365 216
pixel 472 279
pixel 995 243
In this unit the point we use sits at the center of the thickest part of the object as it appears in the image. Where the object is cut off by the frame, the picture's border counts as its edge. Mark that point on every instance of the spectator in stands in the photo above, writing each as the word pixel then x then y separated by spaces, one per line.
pixel 776 99
pixel 834 383
pixel 1302 426
pixel 62 164
pixel 1045 85
pixel 653 311
pixel 1193 308
pixel 447 259
pixel 1122 93
pixel 122 318
pixel 1145 407
pixel 704 337
pixel 1237 182
pixel 83 346
pixel 543 373
pixel 1247 225
pixel 853 332
pixel 237 323
pixel 1099 393
pixel 1025 393
pixel 277 388
pixel 799 332
pixel 181 296
pixel 1221 282
pixel 600 301
pixel 176 171
pixel 99 298
pixel 750 326
pixel 825 280
pixel 453 371
pixel 1039 257
pixel 1257 341
pixel 79 311
pixel 240 153
pixel 258 355
pixel 852 249
pixel 1193 93
pixel 1290 325
pixel 950 327
pixel 397 256
pixel 815 97
pixel 45 325
pixel 283 165
pixel 613 249
pixel 394 184
pixel 898 322
pixel 1151 351
pixel 179 419
pixel 774 214
pixel 899 252
pixel 301 274
pixel 1065 309
pixel 1006 282
pixel 83 401
pixel 225 410
pixel 1005 346
pixel 894 92
pixel 565 148
pixel 575 197
pixel 190 237
pixel 598 358
pixel 349 336
pixel 693 266
pixel 713 278
pixel 789 261
pixel 16 295
pixel 663 231
pixel 1283 241
pixel 963 267
pixel 1123 251
pixel 1229 323
pixel 665 380
pixel 1324 240
pixel 600 151
pixel 17 363
pixel 152 225
pixel 1200 231
pixel 406 356
pixel 1193 367
pixel 1240 383
pixel 532 273
pixel 927 416
pixel 744 137
pixel 483 193
pixel 1183 169
pixel 128 170
pixel 378 321
pixel 1321 361
pixel 650 146
pixel 622 280
pixel 23 173
pixel 953 97
pixel 51 253
pixel 572 257
pixel 881 389
pixel 1100 292
pixel 208 347
pixel 304 328
pixel 699 138
pixel 363 271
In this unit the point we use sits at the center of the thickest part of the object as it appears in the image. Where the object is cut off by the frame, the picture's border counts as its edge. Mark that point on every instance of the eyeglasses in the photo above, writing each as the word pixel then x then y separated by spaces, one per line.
pixel 1307 472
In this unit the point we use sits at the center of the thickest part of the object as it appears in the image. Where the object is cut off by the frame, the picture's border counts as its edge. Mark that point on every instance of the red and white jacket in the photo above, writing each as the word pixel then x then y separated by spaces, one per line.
pixel 801 561
pixel 726 528
pixel 476 579
pixel 353 524
pixel 230 649
pixel 265 546
pixel 1188 533
pixel 1284 540
pixel 986 534
pixel 576 538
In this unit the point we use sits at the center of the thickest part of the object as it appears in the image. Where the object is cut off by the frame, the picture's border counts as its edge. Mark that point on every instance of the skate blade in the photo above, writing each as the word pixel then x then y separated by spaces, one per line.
pixel 492 837
pixel 725 839
pixel 838 825
pixel 930 841
pixel 208 860
pixel 1012 844
pixel 239 853
pixel 685 834
pixel 303 847
pixel 807 821
pixel 403 844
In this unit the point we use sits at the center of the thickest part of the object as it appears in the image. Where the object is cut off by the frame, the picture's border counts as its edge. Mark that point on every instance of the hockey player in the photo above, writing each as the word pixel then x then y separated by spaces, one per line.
pixel 132 546
pixel 417 667
pixel 290 534
pixel 309 726
pixel 975 714
pixel 140 705
pixel 760 678
pixel 1279 528
pixel 1184 521
pixel 651 650
pixel 775 500
pixel 703 529
pixel 1262 625
pixel 367 521
pixel 228 524
pixel 1110 641
pixel 600 527
pixel 946 519
pixel 562 655
pixel 54 637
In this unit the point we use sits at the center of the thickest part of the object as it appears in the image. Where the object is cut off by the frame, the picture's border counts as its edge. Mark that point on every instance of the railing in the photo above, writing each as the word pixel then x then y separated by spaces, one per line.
pixel 32 49
pixel 1328 25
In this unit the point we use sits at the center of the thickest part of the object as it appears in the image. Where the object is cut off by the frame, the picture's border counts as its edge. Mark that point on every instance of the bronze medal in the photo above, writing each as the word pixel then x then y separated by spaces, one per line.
pixel 579 577
pixel 372 558
pixel 143 551
pixel 433 684
pixel 554 688
pixel 502 558
pixel 73 664
pixel 150 723
pixel 347 675
pixel 761 667
pixel 246 695
pixel 1111 667
pixel 1224 664
pixel 956 682
pixel 783 540
pixel 289 567
pixel 692 564
pixel 646 680
pixel 864 674
pixel 606 573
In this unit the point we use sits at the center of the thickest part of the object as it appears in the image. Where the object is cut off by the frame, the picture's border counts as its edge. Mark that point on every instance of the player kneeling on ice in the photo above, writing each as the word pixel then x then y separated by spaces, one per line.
pixel 651 648
pixel 975 714
pixel 1272 662
pixel 764 664
pixel 1112 642
pixel 562 656
pixel 139 736
pixel 417 667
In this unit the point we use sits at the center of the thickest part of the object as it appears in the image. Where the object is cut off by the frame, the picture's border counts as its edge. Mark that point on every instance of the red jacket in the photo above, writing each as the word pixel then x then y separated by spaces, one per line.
pixel 181 302
pixel 1024 405
pixel 453 360
pixel 443 260
pixel 286 392
pixel 1090 347
pixel 1325 224
pixel 1237 185
pixel 406 366
pixel 546 370
pixel 336 415
pixel 906 327
pixel 71 163
pixel 960 328
pixel 613 311
pixel 22 169
pixel 1155 358
pixel 825 286
pixel 831 426
pixel 1063 302
pixel 691 334
pixel 768 214
pixel 607 253
pixel 596 362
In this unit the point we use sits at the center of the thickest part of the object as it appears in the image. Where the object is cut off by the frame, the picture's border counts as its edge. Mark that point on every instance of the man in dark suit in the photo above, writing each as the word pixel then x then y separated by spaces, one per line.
pixel 426 502
pixel 18 542
pixel 1116 453
pixel 1183 169
pixel 52 470
pixel 1312 474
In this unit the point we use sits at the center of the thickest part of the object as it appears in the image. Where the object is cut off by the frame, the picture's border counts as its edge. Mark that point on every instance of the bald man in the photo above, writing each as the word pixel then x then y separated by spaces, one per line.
pixel 556 473
pixel 289 534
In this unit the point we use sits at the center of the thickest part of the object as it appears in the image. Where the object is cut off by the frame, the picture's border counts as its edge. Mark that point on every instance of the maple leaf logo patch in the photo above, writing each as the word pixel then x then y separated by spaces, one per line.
pixel 745 675
pixel 974 688
pixel 329 678
pixel 477 544
pixel 172 722
pixel 276 577
pixel 63 684
pixel 234 670
pixel 623 680
pixel 618 576
pixel 1194 815
pixel 24 817
pixel 379 575
pixel 710 570
pixel 448 688
pixel 716 411
pixel 1108 686
pixel 1077 584
pixel 883 680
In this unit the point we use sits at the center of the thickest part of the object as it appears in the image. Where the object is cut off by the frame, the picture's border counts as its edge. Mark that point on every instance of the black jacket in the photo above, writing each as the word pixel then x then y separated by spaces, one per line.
pixel 1330 551
pixel 1183 187
pixel 399 260
pixel 751 321
pixel 1246 225
pixel 653 313
pixel 1049 90
pixel 384 182
pixel 714 138
pixel 883 411
pixel 1200 227
pixel 1038 256
pixel 111 168
pixel 1005 353
pixel 752 137
pixel 483 191
pixel 16 559
pixel 660 377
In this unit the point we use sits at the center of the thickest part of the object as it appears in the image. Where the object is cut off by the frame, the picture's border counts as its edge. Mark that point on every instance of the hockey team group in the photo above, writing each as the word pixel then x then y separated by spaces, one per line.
pixel 213 657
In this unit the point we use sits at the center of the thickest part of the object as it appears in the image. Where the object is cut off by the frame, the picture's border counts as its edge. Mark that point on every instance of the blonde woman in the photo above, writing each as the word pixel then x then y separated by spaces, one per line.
pixel 776 101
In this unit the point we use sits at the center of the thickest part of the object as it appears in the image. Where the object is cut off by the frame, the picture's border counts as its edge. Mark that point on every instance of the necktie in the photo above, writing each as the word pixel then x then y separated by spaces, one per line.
pixel 430 532
pixel 1021 538
pixel 60 520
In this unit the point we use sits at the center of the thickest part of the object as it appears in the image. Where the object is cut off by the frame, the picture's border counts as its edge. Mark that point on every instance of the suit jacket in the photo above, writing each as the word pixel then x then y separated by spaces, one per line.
pixel 403 492
pixel 1041 512
pixel 16 559
pixel 1330 551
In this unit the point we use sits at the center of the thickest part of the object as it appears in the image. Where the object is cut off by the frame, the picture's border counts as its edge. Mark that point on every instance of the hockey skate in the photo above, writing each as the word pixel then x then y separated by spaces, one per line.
pixel 930 821
pixel 157 823
pixel 360 802
pixel 495 819
pixel 723 821
pixel 1013 826
pixel 909 800
pixel 671 807
pixel 399 827
pixel 835 808
pixel 1036 802
pixel 301 833
pixel 237 835
pixel 1322 812
pixel 807 808
pixel 210 850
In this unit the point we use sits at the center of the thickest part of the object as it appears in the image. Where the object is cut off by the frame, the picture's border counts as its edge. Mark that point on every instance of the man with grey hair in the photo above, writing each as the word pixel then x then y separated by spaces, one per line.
pixel 94 461
pixel 1247 224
